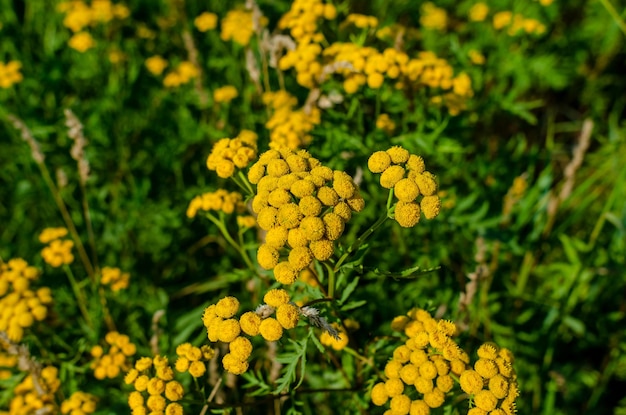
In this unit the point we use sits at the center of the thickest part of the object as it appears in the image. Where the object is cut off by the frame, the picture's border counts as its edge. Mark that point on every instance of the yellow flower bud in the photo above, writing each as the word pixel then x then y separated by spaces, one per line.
pixel 313 227
pixel 289 215
pixel 471 382
pixel 379 394
pixel 445 383
pixel 409 373
pixel 267 256
pixel 267 218
pixel 407 214
pixel 419 407
pixel 434 398
pixel 285 273
pixel 416 164
pixel 406 190
pixel 256 172
pixel 423 385
pixel 302 188
pixel 431 205
pixel 394 387
pixel 287 315
pixel 297 237
pixel 271 330
pixel 197 369
pixel 486 368
pixel 228 330
pixel 499 386
pixel 241 348
pixel 234 365
pixel 398 154
pixel 310 206
pixel 391 176
pixel 327 196
pixel 227 307
pixel 276 238
pixel 334 225
pixel 400 404
pixel 485 400
pixel 250 322
pixel 426 183
pixel 322 249
pixel 279 197
pixel 277 168
pixel 300 258
pixel 379 162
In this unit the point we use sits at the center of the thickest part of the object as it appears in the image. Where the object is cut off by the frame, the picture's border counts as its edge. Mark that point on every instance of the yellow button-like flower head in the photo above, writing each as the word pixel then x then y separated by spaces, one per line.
pixel 271 330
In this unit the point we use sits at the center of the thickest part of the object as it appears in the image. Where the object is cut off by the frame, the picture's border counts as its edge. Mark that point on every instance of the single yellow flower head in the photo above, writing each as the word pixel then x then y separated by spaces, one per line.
pixel 434 398
pixel 285 273
pixel 416 164
pixel 155 386
pixel 400 404
pixel 174 391
pixel 486 368
pixel 379 161
pixel 313 228
pixel 485 400
pixel 276 297
pixel 289 215
pixel 322 249
pixel 499 386
pixel 287 315
pixel 423 385
pixel 428 370
pixel 267 218
pixel 50 234
pixel 276 237
pixel 391 176
pixel 398 155
pixel 407 214
pixel 426 183
pixel 471 382
pixel 279 197
pixel 256 172
pixel 241 348
pixel 172 408
pixel 310 205
pixel 205 21
pixel 445 383
pixel 419 407
pixel 297 237
pixel 343 185
pixel 406 190
pixel 197 369
pixel 409 373
pixel 327 196
pixel 300 257
pixel 234 365
pixel 271 330
pixel 250 323
pixel 379 394
pixel 392 369
pixel 394 387
pixel 81 42
pixel 277 168
pixel 227 307
pixel 334 225
pixel 228 330
pixel 302 188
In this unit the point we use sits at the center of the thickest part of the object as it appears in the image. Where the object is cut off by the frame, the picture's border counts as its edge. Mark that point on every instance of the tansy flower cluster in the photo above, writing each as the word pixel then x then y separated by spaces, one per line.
pixel 182 74
pixel 115 360
pixel 20 306
pixel 228 154
pixel 406 174
pixel 433 17
pixel 226 94
pixel 289 127
pixel 205 21
pixel 115 278
pixel 302 204
pixel 220 200
pixel 10 74
pixel 58 252
pixel 517 23
pixel 425 363
pixel 35 394
pixel 79 403
pixel 193 359
pixel 222 325
pixel 156 65
pixel 301 20
pixel 237 26
pixel 492 383
pixel 156 391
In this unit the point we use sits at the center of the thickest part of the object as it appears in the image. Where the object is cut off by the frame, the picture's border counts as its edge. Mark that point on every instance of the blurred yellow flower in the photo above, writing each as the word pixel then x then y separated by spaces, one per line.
pixel 205 21
pixel 478 12
pixel 81 41
pixel 156 65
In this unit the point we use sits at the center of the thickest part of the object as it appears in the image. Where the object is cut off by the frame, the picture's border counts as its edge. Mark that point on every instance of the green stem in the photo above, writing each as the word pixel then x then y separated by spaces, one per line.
pixel 331 280
pixel 245 184
pixel 78 293
pixel 618 20
pixel 68 220
pixel 222 227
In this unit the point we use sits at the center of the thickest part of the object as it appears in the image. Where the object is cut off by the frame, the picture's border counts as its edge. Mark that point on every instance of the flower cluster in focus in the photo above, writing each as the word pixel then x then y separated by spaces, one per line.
pixel 193 359
pixel 155 387
pixel 110 363
pixel 301 204
pixel 406 174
